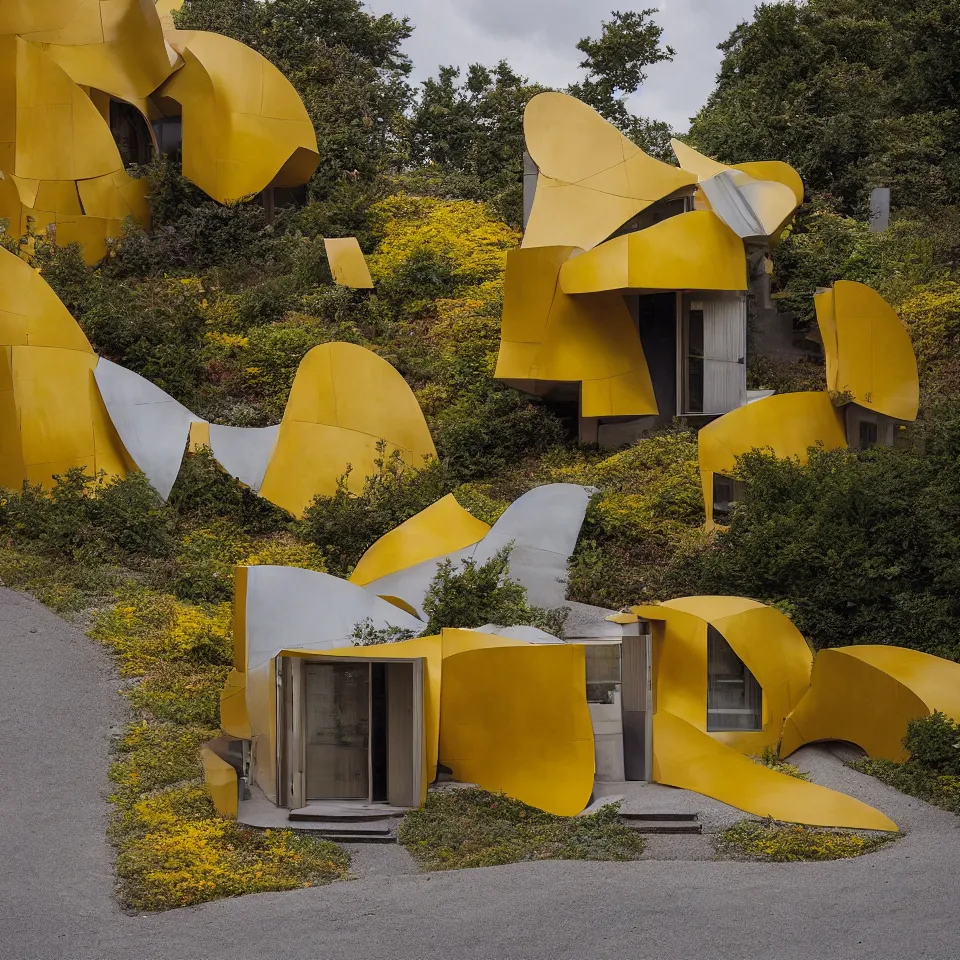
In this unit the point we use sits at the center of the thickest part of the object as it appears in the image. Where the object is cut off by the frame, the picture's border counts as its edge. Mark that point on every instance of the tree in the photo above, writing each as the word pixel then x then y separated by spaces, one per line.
pixel 616 66
pixel 345 63
pixel 853 93
pixel 469 136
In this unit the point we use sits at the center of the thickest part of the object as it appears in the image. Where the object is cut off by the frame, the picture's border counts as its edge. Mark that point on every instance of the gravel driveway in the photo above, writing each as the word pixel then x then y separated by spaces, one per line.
pixel 58 705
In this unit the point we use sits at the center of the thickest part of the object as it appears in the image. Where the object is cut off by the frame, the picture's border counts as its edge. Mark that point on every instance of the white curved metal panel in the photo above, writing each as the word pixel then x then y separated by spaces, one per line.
pixel 152 425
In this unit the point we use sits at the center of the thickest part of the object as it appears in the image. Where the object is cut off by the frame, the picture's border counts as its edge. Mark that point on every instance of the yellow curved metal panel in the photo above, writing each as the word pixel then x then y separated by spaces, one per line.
pixel 550 336
pixel 592 178
pixel 867 695
pixel 788 424
pixel 515 719
pixel 442 528
pixel 850 699
pixel 776 171
pixel 704 168
pixel 868 350
pixel 244 126
pixel 115 197
pixel 695 250
pixel 24 16
pixel 221 780
pixel 31 314
pixel 62 420
pixel 52 414
pixel 234 719
pixel 58 132
pixel 687 758
pixel 112 45
pixel 348 264
pixel 769 644
pixel 344 400
pixel 934 680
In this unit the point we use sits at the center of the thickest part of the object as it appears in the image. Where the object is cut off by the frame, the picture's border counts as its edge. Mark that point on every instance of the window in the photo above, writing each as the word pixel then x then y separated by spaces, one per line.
pixel 694 358
pixel 169 134
pixel 868 434
pixel 130 133
pixel 734 698
pixel 603 672
pixel 727 492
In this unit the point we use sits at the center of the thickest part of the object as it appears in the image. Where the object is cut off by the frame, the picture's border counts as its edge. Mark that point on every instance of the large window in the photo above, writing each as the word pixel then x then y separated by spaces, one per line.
pixel 734 698
pixel 603 672
pixel 727 492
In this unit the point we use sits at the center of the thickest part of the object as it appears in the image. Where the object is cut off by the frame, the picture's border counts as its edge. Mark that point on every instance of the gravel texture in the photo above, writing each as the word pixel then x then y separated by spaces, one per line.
pixel 57 706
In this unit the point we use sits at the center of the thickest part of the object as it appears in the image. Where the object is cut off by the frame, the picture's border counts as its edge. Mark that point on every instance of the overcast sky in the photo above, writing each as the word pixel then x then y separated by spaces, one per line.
pixel 538 38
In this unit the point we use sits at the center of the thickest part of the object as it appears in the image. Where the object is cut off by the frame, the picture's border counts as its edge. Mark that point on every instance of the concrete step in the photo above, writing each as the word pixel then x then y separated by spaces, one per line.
pixel 347 813
pixel 341 836
pixel 660 823
pixel 679 817
pixel 347 832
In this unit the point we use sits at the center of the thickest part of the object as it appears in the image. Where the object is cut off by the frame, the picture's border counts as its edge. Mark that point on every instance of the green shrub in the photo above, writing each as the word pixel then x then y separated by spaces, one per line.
pixel 915 780
pixel 345 525
pixel 786 843
pixel 89 517
pixel 861 546
pixel 484 432
pixel 934 744
pixel 467 827
pixel 770 758
pixel 204 494
pixel 478 594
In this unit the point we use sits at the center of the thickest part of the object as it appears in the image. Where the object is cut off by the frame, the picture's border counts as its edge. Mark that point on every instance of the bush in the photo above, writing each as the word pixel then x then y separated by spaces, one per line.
pixel 786 843
pixel 488 430
pixel 861 546
pixel 91 518
pixel 205 494
pixel 467 827
pixel 178 853
pixel 915 780
pixel 934 744
pixel 345 525
pixel 478 594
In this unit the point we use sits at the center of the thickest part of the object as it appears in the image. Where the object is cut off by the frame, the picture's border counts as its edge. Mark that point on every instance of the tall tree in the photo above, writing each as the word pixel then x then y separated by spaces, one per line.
pixel 616 64
pixel 469 135
pixel 853 93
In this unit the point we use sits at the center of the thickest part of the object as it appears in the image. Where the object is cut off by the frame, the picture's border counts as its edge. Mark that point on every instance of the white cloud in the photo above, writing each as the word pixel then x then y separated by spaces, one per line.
pixel 538 38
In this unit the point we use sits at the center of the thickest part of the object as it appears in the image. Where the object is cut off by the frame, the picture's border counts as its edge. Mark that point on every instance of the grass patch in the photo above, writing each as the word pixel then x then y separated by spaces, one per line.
pixel 767 840
pixel 173 849
pixel 175 852
pixel 915 780
pixel 457 829
pixel 771 760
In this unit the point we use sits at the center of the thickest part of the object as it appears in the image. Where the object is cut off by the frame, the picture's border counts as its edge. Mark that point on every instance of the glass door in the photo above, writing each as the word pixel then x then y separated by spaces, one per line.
pixel 337 731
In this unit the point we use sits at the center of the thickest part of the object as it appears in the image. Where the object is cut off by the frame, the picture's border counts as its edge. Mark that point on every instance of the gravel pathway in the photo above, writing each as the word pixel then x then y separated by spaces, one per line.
pixel 57 707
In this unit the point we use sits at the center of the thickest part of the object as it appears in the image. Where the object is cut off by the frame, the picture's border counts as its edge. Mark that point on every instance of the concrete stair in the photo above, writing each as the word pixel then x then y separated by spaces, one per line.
pixel 670 823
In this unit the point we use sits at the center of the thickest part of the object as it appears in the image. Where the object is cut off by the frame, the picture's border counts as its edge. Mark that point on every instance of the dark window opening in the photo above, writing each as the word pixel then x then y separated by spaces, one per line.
pixel 868 434
pixel 130 133
pixel 727 492
pixel 169 134
pixel 604 674
pixel 568 413
pixel 378 731
pixel 656 213
pixel 734 698
pixel 694 346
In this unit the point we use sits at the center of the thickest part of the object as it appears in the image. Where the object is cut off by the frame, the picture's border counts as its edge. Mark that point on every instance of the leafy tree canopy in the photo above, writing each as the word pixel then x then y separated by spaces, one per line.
pixel 853 93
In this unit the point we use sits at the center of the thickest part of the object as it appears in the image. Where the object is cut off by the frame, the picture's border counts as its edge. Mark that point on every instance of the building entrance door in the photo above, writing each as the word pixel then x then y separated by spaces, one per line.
pixel 637 705
pixel 337 731
pixel 350 730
